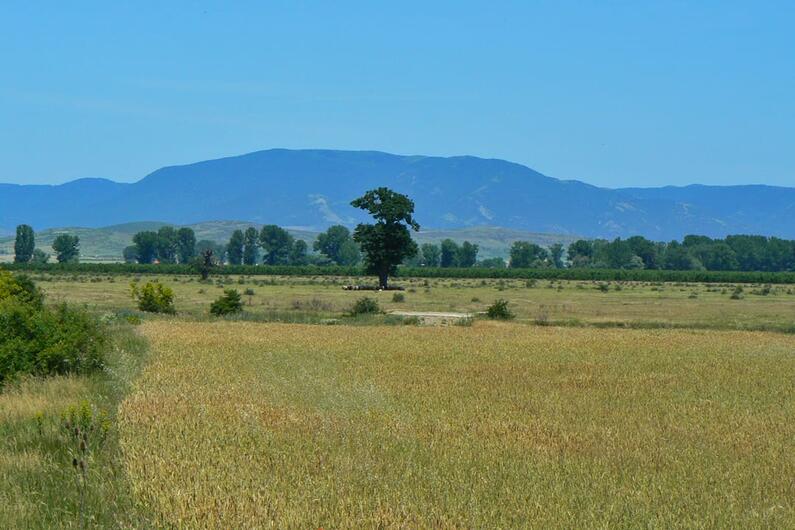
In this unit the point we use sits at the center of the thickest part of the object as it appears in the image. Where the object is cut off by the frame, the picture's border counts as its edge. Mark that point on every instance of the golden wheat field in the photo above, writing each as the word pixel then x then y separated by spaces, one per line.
pixel 242 425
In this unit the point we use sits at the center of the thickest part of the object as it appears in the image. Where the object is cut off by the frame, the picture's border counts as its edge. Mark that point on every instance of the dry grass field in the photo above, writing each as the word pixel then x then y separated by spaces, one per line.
pixel 562 418
pixel 241 425
pixel 566 302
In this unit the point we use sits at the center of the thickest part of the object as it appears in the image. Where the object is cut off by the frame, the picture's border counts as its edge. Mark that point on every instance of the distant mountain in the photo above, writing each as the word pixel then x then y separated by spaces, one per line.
pixel 313 188
pixel 107 243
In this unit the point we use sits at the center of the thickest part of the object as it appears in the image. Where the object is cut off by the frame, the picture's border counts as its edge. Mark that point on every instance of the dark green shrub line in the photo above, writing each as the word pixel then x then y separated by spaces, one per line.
pixel 642 275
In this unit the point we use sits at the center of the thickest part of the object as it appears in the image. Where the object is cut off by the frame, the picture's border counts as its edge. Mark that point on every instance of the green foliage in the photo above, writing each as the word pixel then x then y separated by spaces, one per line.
pixel 499 311
pixel 431 255
pixel 205 263
pixel 24 244
pixel 449 254
pixel 492 263
pixel 387 243
pixel 229 303
pixel 153 297
pixel 336 244
pixel 234 250
pixel 218 250
pixel 146 245
pixel 186 244
pixel 167 244
pixel 398 298
pixel 467 254
pixel 365 306
pixel 276 245
pixel 250 246
pixel 525 254
pixel 349 255
pixel 44 341
pixel 556 255
pixel 130 254
pixel 39 256
pixel 298 253
pixel 582 274
pixel 21 288
pixel 67 248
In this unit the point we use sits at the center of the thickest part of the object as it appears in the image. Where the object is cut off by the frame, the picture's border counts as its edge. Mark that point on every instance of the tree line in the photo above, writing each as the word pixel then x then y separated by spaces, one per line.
pixel 271 245
pixel 275 246
pixel 66 247
pixel 694 252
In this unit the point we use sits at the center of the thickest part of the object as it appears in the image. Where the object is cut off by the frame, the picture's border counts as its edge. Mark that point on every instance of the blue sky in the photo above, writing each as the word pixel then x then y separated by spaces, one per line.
pixel 613 93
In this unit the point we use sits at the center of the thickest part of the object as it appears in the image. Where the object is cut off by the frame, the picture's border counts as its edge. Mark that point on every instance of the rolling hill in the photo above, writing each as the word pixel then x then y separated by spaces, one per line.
pixel 311 189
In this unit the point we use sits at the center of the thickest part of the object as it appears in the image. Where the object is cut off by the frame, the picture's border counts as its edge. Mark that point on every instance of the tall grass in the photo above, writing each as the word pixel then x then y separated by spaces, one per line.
pixel 50 480
pixel 488 426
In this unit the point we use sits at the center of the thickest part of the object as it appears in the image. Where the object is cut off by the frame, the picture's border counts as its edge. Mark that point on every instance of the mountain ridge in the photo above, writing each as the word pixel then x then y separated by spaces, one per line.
pixel 312 189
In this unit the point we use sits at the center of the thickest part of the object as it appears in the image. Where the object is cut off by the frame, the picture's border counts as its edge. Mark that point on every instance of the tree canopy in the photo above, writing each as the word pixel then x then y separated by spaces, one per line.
pixel 67 248
pixel 387 242
pixel 25 244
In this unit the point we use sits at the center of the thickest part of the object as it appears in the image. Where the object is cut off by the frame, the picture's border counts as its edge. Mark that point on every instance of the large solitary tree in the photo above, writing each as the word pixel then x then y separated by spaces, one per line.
pixel 24 245
pixel 387 242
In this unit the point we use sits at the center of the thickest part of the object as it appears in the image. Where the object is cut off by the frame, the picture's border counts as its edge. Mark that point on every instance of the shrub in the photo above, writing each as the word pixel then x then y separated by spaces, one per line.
pixel 227 304
pixel 398 298
pixel 499 310
pixel 21 288
pixel 46 341
pixel 365 306
pixel 153 298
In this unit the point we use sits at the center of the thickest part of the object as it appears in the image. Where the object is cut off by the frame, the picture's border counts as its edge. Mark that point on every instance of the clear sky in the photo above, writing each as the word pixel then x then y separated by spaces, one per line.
pixel 613 93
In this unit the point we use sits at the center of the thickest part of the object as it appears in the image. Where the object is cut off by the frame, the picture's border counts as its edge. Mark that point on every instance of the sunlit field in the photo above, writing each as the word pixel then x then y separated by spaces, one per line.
pixel 494 425
pixel 297 299
pixel 600 405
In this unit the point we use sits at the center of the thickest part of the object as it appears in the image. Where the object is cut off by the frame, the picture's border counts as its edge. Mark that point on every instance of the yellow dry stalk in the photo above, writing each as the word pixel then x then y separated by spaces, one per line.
pixel 244 425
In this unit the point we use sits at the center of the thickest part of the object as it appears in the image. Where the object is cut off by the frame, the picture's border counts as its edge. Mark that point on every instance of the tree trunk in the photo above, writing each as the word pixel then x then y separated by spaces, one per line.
pixel 382 280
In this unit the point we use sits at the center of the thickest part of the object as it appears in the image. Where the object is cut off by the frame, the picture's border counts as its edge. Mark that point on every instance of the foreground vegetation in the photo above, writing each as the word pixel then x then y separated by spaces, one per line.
pixel 41 485
pixel 242 424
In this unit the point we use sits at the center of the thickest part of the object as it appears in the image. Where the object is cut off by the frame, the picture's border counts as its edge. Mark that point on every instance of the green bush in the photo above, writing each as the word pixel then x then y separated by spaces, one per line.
pixel 153 298
pixel 499 310
pixel 227 304
pixel 398 298
pixel 365 306
pixel 44 341
pixel 21 288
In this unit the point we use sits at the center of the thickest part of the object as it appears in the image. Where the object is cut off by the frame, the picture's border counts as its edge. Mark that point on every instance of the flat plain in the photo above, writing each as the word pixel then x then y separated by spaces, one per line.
pixel 601 405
